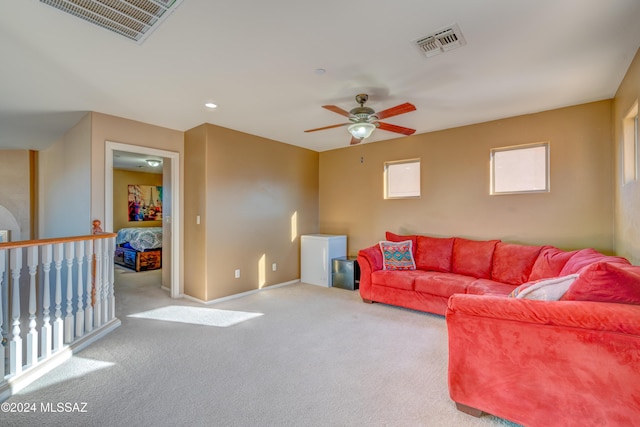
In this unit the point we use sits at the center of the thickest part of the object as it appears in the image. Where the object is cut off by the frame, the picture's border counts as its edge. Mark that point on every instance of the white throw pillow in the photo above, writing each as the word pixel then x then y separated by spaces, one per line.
pixel 544 290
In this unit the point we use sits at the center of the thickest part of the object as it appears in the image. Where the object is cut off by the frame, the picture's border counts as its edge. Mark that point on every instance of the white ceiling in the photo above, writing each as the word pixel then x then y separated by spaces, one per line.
pixel 257 61
pixel 136 162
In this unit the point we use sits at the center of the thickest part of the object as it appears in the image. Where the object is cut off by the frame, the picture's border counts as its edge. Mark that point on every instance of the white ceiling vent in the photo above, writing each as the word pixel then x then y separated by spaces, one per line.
pixel 133 19
pixel 441 41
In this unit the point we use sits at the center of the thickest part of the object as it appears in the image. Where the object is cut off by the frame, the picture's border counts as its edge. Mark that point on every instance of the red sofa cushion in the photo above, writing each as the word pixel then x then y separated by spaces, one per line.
pixel 606 282
pixel 585 257
pixel 434 253
pixel 395 279
pixel 512 263
pixel 392 237
pixel 442 284
pixel 550 263
pixel 473 257
pixel 490 287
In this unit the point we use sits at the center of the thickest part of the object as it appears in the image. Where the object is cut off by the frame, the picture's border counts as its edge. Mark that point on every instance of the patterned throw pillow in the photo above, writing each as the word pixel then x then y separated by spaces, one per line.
pixel 397 255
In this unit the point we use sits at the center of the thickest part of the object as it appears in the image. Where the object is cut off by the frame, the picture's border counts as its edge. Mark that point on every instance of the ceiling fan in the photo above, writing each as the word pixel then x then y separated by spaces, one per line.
pixel 364 120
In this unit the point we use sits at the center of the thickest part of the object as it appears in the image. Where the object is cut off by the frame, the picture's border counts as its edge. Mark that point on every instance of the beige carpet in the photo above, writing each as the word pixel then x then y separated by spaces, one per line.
pixel 298 355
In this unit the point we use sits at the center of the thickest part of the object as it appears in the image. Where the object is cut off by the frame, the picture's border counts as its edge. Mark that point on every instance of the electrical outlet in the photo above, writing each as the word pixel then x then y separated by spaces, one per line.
pixel 197 219
pixel 237 274
pixel 274 266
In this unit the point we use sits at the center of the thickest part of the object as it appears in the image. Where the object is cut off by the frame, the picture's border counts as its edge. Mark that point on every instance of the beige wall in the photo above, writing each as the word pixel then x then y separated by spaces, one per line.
pixel 195 202
pixel 578 212
pixel 15 200
pixel 247 190
pixel 65 181
pixel 121 181
pixel 116 129
pixel 627 200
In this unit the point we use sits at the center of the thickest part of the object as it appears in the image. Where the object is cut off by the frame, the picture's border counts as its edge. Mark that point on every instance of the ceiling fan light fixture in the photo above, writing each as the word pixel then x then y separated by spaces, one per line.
pixel 364 120
pixel 361 130
pixel 153 163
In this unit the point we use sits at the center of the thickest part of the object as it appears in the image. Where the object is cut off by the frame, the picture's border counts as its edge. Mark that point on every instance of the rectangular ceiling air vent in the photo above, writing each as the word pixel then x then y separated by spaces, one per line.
pixel 441 41
pixel 133 19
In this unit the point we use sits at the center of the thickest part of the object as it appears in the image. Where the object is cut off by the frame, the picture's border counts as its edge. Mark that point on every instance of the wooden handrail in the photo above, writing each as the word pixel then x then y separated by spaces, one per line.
pixel 97 234
pixel 25 243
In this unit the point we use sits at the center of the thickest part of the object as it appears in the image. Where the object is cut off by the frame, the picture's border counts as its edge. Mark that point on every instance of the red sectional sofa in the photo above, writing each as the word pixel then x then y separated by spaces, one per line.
pixel 571 362
pixel 454 265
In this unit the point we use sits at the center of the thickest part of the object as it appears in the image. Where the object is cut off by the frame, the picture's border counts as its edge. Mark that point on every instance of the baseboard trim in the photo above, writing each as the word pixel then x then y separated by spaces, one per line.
pixel 241 294
pixel 29 375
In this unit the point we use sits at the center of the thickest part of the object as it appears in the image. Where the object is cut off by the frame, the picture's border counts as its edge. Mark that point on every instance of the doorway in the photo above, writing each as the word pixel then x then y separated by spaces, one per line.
pixel 171 207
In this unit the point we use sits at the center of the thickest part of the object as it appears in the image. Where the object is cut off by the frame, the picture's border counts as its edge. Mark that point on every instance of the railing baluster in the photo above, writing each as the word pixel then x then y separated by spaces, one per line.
pixel 45 347
pixel 88 311
pixel 97 306
pixel 80 303
pixel 105 280
pixel 112 296
pixel 3 254
pixel 32 336
pixel 5 299
pixel 15 345
pixel 34 331
pixel 68 319
pixel 58 255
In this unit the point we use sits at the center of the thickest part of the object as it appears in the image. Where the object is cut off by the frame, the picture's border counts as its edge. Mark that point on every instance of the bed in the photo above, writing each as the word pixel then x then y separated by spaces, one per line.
pixel 139 248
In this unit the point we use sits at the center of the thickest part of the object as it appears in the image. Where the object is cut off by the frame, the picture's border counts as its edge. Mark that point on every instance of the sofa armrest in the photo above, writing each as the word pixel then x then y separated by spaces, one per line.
pixel 613 317
pixel 373 255
pixel 369 260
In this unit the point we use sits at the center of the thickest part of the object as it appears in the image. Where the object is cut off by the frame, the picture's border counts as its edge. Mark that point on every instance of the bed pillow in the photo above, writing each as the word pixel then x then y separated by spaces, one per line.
pixel 544 290
pixel 606 282
pixel 397 255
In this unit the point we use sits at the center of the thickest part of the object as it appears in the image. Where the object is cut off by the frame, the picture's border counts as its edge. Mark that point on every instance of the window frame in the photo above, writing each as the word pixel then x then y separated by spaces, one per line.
pixel 630 145
pixel 494 165
pixel 389 176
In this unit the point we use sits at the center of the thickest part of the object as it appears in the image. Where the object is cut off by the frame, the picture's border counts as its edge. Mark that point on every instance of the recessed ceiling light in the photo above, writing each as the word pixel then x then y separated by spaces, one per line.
pixel 153 163
pixel 320 71
pixel 210 105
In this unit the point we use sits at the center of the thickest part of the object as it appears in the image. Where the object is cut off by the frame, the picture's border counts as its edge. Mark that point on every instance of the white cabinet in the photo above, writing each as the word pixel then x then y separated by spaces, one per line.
pixel 317 251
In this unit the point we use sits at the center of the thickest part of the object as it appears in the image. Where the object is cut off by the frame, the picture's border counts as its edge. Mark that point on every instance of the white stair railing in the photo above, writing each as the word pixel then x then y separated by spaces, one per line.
pixel 48 313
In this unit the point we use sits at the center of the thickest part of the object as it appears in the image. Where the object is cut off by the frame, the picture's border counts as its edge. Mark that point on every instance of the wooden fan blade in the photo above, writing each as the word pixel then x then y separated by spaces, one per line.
pixel 394 111
pixel 337 109
pixel 355 140
pixel 395 128
pixel 328 127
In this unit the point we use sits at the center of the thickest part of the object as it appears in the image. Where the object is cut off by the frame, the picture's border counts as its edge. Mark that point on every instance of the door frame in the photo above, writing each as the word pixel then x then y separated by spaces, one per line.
pixel 173 219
